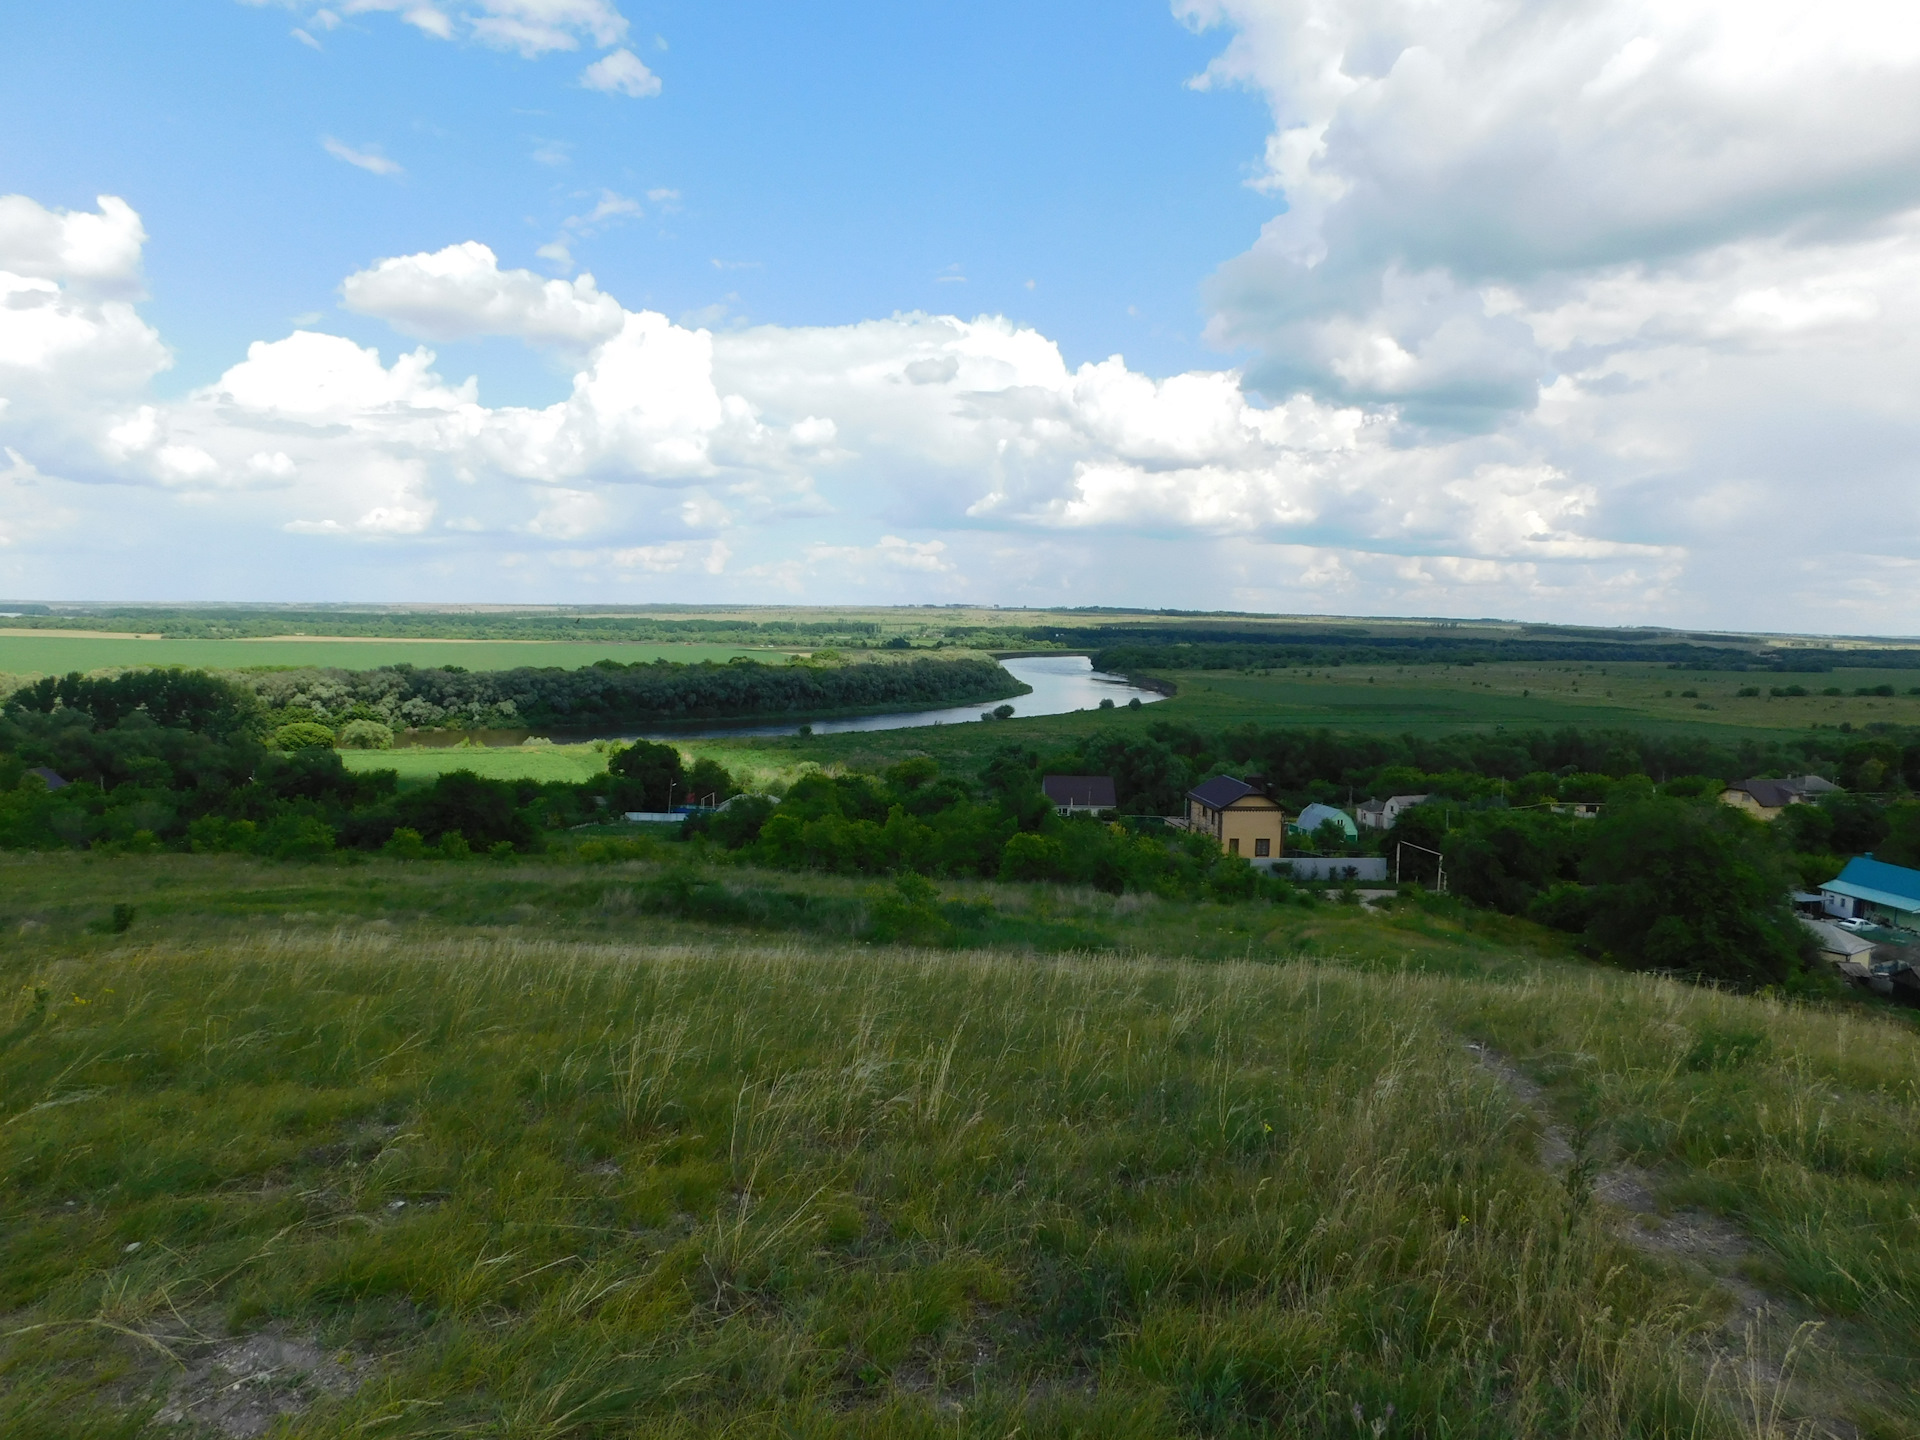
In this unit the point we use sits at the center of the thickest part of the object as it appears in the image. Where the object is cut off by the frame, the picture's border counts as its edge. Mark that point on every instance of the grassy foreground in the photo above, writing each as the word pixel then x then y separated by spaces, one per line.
pixel 524 1163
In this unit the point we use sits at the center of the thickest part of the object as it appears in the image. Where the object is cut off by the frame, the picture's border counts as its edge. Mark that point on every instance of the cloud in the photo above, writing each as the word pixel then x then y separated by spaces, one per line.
pixel 621 73
pixel 530 28
pixel 460 293
pixel 98 253
pixel 1436 162
pixel 369 159
pixel 922 454
pixel 612 208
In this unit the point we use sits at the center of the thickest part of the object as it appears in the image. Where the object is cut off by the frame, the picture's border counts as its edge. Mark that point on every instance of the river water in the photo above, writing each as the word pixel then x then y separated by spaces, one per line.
pixel 1061 684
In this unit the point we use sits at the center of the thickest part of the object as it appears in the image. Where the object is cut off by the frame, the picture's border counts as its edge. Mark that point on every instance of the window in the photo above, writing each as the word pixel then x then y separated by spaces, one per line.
pixel 1263 847
pixel 1233 847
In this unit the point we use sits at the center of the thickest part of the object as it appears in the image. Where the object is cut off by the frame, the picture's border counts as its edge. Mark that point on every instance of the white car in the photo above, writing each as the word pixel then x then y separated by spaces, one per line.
pixel 1854 924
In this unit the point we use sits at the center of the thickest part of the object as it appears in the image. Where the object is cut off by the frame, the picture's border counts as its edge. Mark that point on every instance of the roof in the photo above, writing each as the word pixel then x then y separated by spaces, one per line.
pixel 1316 815
pixel 1405 800
pixel 1769 793
pixel 1813 785
pixel 1836 941
pixel 1775 793
pixel 1221 791
pixel 1082 792
pixel 1878 883
pixel 55 780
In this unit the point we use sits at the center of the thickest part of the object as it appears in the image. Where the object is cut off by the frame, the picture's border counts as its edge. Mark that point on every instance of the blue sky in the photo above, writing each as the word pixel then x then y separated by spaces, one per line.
pixel 1347 306
pixel 842 160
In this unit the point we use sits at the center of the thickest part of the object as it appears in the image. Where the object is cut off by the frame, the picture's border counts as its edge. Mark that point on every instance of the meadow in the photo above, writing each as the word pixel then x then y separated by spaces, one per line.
pixel 440 1149
pixel 23 653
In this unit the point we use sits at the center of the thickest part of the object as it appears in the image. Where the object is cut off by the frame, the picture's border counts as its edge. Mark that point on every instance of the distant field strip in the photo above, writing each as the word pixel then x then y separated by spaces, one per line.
pixel 58 654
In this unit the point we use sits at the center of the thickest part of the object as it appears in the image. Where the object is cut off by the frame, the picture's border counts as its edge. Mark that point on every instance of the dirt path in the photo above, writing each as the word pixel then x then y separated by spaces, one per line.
pixel 1754 1360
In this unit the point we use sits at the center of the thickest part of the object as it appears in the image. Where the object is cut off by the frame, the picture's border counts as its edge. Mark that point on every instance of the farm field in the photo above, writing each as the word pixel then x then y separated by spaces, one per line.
pixel 434 1149
pixel 27 654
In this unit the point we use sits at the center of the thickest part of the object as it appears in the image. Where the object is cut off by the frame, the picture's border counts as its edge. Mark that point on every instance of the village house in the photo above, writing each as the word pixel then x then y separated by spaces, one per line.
pixel 1380 814
pixel 1764 799
pixel 1241 819
pixel 1870 889
pixel 1079 794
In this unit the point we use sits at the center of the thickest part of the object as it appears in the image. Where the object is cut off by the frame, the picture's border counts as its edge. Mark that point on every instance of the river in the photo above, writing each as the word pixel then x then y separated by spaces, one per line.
pixel 1061 684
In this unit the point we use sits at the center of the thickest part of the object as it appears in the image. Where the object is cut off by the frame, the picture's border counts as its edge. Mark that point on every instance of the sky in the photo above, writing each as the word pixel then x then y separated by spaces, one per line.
pixel 1593 311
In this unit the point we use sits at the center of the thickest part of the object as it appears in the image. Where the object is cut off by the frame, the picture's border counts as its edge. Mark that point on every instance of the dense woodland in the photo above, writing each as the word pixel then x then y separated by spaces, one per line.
pixel 1667 878
pixel 606 695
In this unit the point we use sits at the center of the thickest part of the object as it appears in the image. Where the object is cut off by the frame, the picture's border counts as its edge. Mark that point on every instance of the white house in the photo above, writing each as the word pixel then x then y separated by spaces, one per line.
pixel 1380 814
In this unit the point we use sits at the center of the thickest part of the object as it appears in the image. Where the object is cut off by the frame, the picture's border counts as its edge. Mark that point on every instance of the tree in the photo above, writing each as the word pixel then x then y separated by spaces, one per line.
pixel 646 777
pixel 1506 859
pixel 1693 888
pixel 483 812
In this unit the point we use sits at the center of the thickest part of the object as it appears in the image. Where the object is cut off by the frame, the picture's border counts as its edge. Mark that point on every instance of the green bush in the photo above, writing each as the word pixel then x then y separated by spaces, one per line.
pixel 303 735
pixel 296 837
pixel 366 735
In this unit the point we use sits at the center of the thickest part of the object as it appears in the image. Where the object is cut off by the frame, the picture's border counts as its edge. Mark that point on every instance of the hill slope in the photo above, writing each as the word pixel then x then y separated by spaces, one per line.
pixel 530 1177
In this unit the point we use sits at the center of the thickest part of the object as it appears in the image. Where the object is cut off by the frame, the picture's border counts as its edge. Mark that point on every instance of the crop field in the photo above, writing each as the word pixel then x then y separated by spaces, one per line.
pixel 441 1149
pixel 28 654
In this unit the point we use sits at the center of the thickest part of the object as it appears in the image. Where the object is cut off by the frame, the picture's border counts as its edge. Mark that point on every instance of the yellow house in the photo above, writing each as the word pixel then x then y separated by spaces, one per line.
pixel 1244 821
pixel 1765 799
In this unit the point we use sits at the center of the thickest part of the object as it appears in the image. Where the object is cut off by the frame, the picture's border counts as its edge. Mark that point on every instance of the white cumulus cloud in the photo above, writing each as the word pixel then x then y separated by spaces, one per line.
pixel 461 292
pixel 621 73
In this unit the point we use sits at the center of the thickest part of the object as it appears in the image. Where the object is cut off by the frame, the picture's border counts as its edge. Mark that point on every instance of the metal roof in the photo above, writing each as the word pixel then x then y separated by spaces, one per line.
pixel 1868 873
pixel 1316 815
pixel 1221 791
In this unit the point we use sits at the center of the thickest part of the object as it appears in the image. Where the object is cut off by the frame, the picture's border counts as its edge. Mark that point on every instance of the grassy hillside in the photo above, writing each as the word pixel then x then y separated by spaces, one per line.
pixel 436 1149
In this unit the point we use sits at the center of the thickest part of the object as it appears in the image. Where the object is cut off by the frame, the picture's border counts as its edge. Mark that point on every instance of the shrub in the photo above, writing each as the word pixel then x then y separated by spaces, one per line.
pixel 297 837
pixel 366 735
pixel 303 735
pixel 405 844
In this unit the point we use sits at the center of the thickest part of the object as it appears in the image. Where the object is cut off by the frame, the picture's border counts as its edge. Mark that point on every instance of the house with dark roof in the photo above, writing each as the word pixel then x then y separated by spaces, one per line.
pixel 1870 889
pixel 1079 794
pixel 52 779
pixel 1765 798
pixel 1240 818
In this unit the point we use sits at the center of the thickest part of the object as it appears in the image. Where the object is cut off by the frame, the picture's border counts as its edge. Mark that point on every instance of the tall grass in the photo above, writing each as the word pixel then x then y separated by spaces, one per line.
pixel 565 1189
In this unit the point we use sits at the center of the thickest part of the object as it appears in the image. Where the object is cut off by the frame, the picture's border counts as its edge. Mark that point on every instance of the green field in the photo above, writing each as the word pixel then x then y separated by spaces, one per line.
pixel 60 654
pixel 487 1149
pixel 569 763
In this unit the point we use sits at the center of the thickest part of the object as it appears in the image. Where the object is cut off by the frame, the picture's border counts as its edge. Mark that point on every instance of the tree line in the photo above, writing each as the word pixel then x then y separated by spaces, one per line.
pixel 609 695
